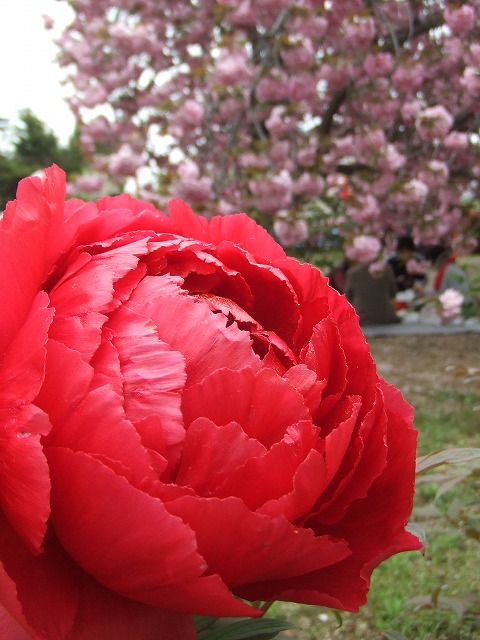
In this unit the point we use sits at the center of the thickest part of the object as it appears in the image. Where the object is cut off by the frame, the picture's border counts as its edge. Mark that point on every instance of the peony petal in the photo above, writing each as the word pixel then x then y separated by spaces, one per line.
pixel 97 426
pixel 211 453
pixel 75 294
pixel 23 366
pixel 306 382
pixel 67 380
pixel 309 480
pixel 246 233
pixel 262 402
pixel 246 547
pixel 106 364
pixel 46 584
pixel 33 234
pixel 325 356
pixel 153 377
pixel 270 476
pixel 185 222
pixel 311 289
pixel 275 305
pixel 11 630
pixel 363 461
pixel 81 333
pixel 128 541
pixel 178 318
pixel 12 621
pixel 24 475
pixel 373 526
pixel 122 215
pixel 105 615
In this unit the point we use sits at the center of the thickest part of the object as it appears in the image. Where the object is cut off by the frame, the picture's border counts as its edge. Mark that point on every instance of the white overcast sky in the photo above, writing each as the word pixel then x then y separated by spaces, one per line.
pixel 29 75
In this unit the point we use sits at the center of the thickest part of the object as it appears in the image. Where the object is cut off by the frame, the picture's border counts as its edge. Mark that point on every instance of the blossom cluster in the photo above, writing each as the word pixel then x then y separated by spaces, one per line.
pixel 252 104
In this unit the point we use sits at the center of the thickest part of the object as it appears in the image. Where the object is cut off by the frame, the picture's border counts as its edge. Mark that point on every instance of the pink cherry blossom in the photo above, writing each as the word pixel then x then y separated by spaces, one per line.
pixel 434 122
pixel 363 249
pixel 359 32
pixel 125 162
pixel 299 57
pixel 470 80
pixel 378 64
pixel 460 20
pixel 290 233
pixel 232 68
pixel 408 78
pixel 456 140
pixel 268 98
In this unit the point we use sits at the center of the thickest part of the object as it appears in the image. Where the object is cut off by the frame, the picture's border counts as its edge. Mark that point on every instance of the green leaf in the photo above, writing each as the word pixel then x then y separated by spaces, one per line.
pixel 417 531
pixel 393 635
pixel 448 456
pixel 261 629
pixel 204 622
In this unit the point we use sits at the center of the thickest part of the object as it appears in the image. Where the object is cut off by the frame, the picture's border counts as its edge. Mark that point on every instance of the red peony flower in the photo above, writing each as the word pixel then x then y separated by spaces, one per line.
pixel 189 420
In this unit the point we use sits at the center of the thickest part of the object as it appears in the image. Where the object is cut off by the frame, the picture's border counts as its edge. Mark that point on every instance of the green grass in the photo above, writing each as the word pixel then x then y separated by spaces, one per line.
pixel 447 419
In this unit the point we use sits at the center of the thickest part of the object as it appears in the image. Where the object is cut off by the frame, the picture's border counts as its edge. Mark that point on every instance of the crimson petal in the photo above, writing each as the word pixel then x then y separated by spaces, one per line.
pixel 46 585
pixel 106 615
pixel 178 318
pixel 129 541
pixel 153 376
pixel 244 546
pixel 24 475
pixel 262 402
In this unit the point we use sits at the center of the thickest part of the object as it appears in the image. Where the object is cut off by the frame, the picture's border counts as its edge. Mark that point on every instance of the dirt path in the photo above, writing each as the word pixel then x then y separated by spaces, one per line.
pixel 437 362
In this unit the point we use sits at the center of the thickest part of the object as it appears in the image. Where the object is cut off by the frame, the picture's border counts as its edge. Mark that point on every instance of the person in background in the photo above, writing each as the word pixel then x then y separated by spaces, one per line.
pixel 338 275
pixel 370 288
pixel 448 273
pixel 408 266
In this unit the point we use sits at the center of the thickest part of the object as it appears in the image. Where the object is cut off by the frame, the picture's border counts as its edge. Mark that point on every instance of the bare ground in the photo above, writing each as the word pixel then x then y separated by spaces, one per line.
pixel 424 363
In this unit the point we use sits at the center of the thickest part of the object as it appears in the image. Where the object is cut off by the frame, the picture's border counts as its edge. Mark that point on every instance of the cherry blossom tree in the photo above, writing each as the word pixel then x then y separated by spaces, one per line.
pixel 368 110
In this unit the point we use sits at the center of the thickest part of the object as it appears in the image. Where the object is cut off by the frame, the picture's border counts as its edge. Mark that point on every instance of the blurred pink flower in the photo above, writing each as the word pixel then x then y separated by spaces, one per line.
pixel 358 34
pixel 470 81
pixel 232 68
pixel 417 267
pixel 378 64
pixel 451 301
pixel 434 122
pixel 189 115
pixel 363 249
pixel 191 186
pixel 456 140
pixel 88 183
pixel 460 20
pixel 408 79
pixel 125 162
pixel 299 57
pixel 290 233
